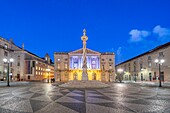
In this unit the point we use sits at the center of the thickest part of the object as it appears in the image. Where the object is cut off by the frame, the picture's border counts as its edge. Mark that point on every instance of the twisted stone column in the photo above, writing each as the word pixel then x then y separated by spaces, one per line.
pixel 84 38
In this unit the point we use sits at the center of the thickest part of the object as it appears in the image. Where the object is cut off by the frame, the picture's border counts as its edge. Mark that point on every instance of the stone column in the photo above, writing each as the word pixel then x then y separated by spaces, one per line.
pixel 84 38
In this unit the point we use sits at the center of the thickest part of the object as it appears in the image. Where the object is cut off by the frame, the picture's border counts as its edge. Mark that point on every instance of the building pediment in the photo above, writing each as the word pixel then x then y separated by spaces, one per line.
pixel 80 51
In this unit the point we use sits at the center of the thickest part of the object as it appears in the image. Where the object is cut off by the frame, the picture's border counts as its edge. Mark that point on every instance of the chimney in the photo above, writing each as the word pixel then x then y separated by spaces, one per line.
pixel 23 46
pixel 11 41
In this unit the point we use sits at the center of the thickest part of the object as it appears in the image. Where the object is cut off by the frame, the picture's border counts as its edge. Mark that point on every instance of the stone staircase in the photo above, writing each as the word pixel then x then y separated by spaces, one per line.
pixel 84 84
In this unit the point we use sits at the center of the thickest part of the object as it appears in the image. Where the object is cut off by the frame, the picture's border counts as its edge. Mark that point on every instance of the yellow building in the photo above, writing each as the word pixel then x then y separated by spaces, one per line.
pixel 68 66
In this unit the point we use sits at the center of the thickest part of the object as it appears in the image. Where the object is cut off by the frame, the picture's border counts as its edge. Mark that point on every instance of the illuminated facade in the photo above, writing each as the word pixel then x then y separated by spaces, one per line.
pixel 68 66
pixel 144 68
pixel 26 65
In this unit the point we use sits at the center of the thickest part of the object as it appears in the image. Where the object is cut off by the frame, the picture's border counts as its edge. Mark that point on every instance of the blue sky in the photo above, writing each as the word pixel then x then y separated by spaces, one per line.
pixel 126 27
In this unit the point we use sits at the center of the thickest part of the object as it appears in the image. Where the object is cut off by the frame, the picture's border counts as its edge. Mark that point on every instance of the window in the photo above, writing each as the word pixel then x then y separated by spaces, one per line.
pixel 149 64
pixel 134 68
pixel 58 59
pixel 161 54
pixel 66 59
pixel 28 77
pixel 18 64
pixel 134 62
pixel 33 64
pixel 18 56
pixel 36 67
pixel 75 65
pixel 5 46
pixel 93 62
pixel 110 66
pixel 103 67
pixel 141 66
pixel 125 67
pixel 149 58
pixel 36 72
pixel 110 59
pixel 129 67
pixel 102 59
pixel 58 66
pixel 65 65
pixel 5 53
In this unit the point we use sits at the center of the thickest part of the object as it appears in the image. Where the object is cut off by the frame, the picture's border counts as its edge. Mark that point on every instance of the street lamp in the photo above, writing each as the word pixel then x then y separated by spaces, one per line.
pixel 160 62
pixel 8 61
pixel 120 76
pixel 48 70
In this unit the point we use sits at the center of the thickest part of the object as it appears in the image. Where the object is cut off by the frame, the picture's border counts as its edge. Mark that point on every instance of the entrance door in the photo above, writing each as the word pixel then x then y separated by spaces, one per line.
pixel 75 76
pixel 94 76
pixel 141 76
pixel 162 76
pixel 18 77
pixel 150 76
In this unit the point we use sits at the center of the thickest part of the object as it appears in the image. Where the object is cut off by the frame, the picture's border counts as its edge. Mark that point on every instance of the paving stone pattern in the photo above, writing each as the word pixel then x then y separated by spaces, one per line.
pixel 49 98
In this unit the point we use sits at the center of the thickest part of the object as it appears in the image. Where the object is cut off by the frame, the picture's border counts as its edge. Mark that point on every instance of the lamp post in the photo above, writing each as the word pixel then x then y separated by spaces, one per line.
pixel 120 76
pixel 8 61
pixel 160 62
pixel 48 70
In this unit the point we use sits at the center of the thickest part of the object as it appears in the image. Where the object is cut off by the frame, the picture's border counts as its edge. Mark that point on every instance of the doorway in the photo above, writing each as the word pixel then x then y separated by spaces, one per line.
pixel 75 76
pixel 18 77
pixel 94 76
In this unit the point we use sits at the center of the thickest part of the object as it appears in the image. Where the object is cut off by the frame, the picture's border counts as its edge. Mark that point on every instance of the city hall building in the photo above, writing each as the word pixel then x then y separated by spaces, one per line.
pixel 100 66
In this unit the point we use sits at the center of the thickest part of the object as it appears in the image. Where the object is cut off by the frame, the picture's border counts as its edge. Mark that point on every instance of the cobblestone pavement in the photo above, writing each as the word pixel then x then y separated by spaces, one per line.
pixel 119 98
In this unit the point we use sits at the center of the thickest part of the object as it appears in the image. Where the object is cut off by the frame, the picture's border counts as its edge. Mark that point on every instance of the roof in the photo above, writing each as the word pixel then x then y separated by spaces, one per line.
pixel 80 51
pixel 23 50
pixel 30 52
pixel 107 53
pixel 64 53
pixel 150 51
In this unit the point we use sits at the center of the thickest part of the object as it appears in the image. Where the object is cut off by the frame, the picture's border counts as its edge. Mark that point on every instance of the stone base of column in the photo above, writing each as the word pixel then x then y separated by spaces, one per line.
pixel 84 76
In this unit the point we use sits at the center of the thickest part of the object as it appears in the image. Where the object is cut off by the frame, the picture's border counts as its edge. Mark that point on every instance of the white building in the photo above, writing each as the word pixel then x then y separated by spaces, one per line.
pixel 143 67
pixel 26 65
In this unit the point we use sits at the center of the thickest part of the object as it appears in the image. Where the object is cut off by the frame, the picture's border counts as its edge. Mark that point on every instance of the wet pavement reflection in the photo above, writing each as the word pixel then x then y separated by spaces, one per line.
pixel 118 98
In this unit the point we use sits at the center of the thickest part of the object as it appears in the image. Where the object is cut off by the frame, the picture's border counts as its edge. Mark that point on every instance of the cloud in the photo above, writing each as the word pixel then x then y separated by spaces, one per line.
pixel 161 32
pixel 119 50
pixel 137 35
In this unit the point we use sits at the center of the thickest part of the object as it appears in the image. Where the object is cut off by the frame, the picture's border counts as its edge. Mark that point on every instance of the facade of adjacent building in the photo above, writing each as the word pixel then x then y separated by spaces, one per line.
pixel 144 68
pixel 100 66
pixel 26 65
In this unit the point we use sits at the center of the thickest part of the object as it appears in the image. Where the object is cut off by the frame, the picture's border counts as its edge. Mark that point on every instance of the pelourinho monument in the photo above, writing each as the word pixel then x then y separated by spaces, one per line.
pixel 84 82
pixel 84 38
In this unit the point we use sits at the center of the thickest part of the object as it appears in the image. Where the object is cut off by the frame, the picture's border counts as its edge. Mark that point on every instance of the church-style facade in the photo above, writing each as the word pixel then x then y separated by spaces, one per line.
pixel 100 66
